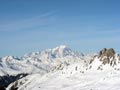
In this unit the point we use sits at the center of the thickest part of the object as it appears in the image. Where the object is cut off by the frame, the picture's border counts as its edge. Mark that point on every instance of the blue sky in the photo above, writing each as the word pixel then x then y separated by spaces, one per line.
pixel 34 25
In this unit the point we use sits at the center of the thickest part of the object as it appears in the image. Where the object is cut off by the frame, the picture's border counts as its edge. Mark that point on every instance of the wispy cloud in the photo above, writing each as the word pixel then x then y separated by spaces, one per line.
pixel 88 34
pixel 36 21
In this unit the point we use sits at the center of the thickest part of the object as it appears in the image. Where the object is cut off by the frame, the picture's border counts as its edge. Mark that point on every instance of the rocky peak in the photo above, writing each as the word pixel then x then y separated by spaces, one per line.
pixel 107 52
pixel 107 56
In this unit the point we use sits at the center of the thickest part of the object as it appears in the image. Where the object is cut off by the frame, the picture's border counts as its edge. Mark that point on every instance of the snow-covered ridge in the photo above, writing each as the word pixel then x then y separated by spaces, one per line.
pixel 42 61
pixel 57 52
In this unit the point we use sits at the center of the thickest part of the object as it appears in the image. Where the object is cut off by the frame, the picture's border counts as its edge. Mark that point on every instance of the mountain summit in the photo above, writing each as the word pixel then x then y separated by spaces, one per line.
pixel 57 52
pixel 61 51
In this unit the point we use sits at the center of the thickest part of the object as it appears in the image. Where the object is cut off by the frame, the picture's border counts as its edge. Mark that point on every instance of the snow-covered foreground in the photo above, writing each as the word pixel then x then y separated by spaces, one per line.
pixel 90 80
pixel 76 76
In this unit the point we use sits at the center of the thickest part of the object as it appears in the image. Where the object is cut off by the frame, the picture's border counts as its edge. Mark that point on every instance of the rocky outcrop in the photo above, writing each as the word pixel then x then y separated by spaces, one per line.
pixel 8 79
pixel 118 57
pixel 107 56
pixel 109 53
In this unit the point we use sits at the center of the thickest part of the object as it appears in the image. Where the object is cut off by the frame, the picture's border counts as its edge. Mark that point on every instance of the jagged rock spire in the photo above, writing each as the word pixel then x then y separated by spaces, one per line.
pixel 106 54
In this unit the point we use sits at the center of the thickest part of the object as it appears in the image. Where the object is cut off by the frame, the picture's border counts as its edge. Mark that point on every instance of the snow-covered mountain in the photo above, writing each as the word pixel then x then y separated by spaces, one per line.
pixel 58 52
pixel 41 62
pixel 61 68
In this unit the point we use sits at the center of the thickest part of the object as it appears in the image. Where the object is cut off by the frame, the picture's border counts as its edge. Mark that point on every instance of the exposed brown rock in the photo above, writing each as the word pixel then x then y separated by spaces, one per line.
pixel 118 56
pixel 110 53
pixel 106 54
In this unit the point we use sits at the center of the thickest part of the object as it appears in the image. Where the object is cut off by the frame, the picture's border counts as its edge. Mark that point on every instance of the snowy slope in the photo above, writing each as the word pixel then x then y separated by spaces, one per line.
pixel 35 62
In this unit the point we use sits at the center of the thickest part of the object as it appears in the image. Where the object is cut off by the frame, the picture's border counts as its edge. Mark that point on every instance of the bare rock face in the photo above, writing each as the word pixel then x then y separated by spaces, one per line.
pixel 118 56
pixel 107 56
